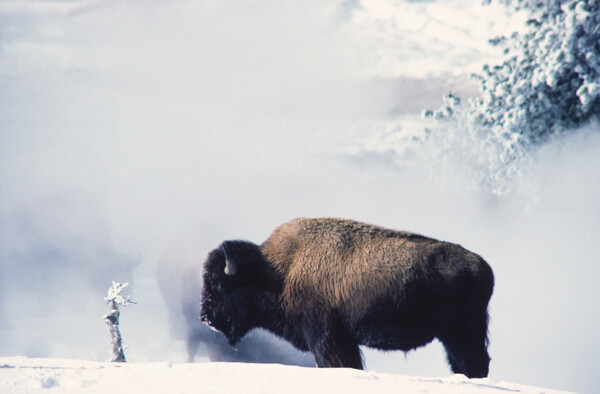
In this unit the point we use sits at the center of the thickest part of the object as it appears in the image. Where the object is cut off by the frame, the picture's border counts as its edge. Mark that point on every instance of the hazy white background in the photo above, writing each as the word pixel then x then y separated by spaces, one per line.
pixel 134 130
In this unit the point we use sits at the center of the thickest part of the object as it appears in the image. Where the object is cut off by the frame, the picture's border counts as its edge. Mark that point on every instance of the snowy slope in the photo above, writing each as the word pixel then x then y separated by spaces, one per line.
pixel 21 375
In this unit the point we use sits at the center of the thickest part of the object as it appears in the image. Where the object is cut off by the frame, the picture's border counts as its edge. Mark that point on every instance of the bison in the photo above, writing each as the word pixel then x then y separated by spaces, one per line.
pixel 329 285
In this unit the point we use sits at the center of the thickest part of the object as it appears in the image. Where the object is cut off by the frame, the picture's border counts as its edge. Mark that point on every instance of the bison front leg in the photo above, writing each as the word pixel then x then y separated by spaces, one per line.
pixel 338 354
pixel 334 347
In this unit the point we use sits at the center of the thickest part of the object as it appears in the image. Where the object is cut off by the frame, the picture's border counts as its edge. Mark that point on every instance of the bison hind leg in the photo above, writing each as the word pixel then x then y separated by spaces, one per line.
pixel 468 359
pixel 466 348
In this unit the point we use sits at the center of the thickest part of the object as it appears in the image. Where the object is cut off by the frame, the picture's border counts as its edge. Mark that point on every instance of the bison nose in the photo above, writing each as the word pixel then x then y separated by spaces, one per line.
pixel 208 323
pixel 204 319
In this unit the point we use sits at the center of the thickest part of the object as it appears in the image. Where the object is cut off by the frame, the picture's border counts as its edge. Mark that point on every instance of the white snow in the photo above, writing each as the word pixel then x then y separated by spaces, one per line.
pixel 429 38
pixel 20 375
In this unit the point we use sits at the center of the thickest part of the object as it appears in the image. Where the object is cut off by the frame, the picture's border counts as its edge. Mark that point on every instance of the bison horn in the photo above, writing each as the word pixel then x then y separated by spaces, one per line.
pixel 230 266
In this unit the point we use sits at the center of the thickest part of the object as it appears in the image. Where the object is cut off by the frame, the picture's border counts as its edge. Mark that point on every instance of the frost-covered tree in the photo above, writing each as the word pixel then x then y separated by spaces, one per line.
pixel 114 298
pixel 550 77
pixel 548 81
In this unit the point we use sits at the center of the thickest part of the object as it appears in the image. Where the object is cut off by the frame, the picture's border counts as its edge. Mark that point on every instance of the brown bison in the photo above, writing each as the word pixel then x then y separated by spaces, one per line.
pixel 329 285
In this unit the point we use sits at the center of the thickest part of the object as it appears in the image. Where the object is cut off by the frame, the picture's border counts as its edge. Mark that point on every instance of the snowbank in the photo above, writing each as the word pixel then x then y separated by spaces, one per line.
pixel 20 375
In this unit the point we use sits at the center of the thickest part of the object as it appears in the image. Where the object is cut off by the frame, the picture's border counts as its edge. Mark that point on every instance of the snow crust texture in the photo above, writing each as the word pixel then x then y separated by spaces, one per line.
pixel 20 375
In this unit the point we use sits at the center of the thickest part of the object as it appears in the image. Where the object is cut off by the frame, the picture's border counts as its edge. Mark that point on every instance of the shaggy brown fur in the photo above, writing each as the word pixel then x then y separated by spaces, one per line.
pixel 328 285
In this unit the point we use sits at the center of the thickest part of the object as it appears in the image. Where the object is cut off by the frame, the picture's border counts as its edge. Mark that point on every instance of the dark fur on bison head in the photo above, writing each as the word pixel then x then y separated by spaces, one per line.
pixel 232 274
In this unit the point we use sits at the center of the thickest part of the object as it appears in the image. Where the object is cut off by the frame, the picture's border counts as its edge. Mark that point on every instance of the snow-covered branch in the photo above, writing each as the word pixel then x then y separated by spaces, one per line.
pixel 114 298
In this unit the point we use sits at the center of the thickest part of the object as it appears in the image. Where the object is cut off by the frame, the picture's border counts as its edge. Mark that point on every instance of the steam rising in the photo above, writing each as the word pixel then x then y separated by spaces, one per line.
pixel 132 131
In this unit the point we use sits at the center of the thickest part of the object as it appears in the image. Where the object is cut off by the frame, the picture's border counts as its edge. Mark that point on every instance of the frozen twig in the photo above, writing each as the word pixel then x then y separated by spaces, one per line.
pixel 114 298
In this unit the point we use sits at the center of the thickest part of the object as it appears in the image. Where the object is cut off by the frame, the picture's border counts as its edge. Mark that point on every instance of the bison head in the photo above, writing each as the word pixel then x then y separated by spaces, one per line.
pixel 231 292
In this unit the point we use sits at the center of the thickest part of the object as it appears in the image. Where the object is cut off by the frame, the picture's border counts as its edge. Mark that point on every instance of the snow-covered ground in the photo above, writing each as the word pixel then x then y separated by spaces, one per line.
pixel 19 375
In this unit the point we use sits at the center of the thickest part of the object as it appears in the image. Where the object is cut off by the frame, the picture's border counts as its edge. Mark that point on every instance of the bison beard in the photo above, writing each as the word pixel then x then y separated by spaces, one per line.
pixel 329 285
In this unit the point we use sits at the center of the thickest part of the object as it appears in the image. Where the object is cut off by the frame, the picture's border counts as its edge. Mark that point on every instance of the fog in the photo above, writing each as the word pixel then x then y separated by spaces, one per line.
pixel 130 132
